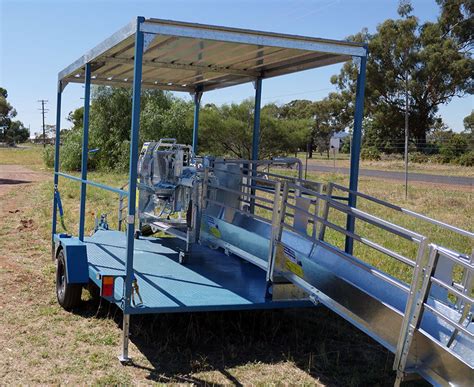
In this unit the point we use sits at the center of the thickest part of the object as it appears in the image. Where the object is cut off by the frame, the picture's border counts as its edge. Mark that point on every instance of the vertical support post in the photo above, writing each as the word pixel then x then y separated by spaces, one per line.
pixel 56 164
pixel 126 333
pixel 276 226
pixel 255 137
pixel 355 150
pixel 256 119
pixel 325 214
pixel 85 149
pixel 197 103
pixel 132 184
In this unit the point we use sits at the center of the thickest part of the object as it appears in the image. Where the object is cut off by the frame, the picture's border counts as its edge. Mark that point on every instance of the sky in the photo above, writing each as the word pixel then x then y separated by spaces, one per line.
pixel 38 38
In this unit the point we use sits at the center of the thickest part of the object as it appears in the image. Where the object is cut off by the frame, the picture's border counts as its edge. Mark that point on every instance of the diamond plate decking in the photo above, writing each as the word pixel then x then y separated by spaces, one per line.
pixel 209 281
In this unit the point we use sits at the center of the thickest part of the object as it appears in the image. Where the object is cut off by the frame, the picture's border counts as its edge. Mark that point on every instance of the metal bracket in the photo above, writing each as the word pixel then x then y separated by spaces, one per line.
pixel 130 219
pixel 356 60
pixel 147 39
pixel 197 95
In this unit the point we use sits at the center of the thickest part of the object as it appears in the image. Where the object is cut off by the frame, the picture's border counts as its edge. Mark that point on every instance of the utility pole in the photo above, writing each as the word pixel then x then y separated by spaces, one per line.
pixel 43 111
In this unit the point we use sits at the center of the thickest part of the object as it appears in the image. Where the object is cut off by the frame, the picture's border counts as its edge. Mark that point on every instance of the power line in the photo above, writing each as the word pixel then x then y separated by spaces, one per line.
pixel 43 112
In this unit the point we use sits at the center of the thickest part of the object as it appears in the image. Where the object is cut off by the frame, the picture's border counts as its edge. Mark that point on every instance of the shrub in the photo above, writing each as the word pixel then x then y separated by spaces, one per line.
pixel 370 153
pixel 392 156
pixel 467 159
pixel 418 157
pixel 71 151
pixel 48 156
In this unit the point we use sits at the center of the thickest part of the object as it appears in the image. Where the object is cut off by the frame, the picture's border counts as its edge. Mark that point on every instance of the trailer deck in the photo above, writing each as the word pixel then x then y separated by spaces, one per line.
pixel 210 280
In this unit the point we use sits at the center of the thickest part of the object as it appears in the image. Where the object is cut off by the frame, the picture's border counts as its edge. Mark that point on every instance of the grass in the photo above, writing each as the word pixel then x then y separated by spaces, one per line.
pixel 44 344
pixel 29 155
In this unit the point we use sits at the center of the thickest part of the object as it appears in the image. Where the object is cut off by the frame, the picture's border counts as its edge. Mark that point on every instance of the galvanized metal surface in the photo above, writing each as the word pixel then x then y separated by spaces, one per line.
pixel 195 57
pixel 419 323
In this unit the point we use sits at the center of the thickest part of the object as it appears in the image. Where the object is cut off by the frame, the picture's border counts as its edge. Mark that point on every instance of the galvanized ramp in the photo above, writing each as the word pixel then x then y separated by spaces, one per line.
pixel 426 322
pixel 210 281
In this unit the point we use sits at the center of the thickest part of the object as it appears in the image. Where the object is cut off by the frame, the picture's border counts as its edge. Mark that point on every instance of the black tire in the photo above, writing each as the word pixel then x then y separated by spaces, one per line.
pixel 146 230
pixel 94 292
pixel 69 295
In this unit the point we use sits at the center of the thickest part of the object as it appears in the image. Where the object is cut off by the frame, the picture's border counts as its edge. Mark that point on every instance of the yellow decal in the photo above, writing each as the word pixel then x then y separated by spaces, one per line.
pixel 215 231
pixel 294 268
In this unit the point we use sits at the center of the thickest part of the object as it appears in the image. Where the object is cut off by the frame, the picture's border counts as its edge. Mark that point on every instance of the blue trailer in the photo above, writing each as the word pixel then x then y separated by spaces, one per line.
pixel 246 237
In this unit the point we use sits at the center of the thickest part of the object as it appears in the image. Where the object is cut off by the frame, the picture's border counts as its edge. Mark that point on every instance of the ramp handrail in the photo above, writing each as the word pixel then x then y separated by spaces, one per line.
pixel 418 302
pixel 314 218
pixel 406 211
pixel 424 264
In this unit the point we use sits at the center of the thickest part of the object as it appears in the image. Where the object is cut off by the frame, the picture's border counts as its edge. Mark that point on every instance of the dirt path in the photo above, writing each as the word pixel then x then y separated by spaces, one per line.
pixel 14 176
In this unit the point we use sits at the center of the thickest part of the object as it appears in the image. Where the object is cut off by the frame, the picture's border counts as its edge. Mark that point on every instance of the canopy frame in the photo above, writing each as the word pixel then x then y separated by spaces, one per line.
pixel 270 54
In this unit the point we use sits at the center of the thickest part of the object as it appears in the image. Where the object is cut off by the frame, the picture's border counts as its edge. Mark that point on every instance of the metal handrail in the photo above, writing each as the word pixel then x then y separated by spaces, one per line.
pixel 345 208
pixel 236 209
pixel 406 211
pixel 448 320
pixel 240 193
pixel 452 290
pixel 93 183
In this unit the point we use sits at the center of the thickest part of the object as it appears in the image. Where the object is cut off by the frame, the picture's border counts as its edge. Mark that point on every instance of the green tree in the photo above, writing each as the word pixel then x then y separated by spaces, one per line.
pixel 110 118
pixel 322 119
pixel 13 131
pixel 227 130
pixel 469 129
pixel 404 54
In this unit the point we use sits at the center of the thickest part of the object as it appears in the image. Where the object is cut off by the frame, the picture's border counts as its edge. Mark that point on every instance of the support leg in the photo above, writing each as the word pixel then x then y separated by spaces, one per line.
pixel 56 167
pixel 132 184
pixel 255 138
pixel 85 149
pixel 197 102
pixel 355 150
pixel 124 358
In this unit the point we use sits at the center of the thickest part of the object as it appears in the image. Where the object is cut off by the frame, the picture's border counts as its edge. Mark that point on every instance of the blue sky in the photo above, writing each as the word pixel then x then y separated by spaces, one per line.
pixel 38 38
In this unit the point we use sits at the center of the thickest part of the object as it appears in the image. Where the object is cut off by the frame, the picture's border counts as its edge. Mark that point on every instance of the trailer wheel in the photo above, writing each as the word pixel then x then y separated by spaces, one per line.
pixel 146 230
pixel 69 295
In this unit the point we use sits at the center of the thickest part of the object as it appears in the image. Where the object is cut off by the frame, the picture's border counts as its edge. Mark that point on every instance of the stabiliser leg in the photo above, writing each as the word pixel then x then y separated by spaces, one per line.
pixel 124 358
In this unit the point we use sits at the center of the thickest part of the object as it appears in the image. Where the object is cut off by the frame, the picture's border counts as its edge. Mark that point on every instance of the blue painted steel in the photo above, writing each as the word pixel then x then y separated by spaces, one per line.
pixel 197 103
pixel 56 162
pixel 85 150
pixel 355 149
pixel 210 280
pixel 75 252
pixel 132 184
pixel 256 120
pixel 93 183
pixel 256 136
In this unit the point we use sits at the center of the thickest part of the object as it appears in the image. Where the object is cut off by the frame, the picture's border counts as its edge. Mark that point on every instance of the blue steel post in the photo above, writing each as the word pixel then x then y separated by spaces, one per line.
pixel 56 164
pixel 197 102
pixel 256 136
pixel 132 183
pixel 132 186
pixel 85 149
pixel 355 150
pixel 256 121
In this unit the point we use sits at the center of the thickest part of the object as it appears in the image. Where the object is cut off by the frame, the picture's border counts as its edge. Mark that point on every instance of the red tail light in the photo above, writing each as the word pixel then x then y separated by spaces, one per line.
pixel 107 286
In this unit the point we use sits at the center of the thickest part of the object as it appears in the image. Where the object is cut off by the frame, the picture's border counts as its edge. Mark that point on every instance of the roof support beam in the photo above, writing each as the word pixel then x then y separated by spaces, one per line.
pixel 190 67
pixel 252 37
pixel 122 83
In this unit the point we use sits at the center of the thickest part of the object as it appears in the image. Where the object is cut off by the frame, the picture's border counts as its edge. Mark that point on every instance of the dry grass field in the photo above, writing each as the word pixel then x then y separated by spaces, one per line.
pixel 44 344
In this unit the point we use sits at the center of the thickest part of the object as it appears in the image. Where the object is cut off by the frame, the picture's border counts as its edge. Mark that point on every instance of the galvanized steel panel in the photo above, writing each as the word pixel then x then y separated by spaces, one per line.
pixel 185 56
